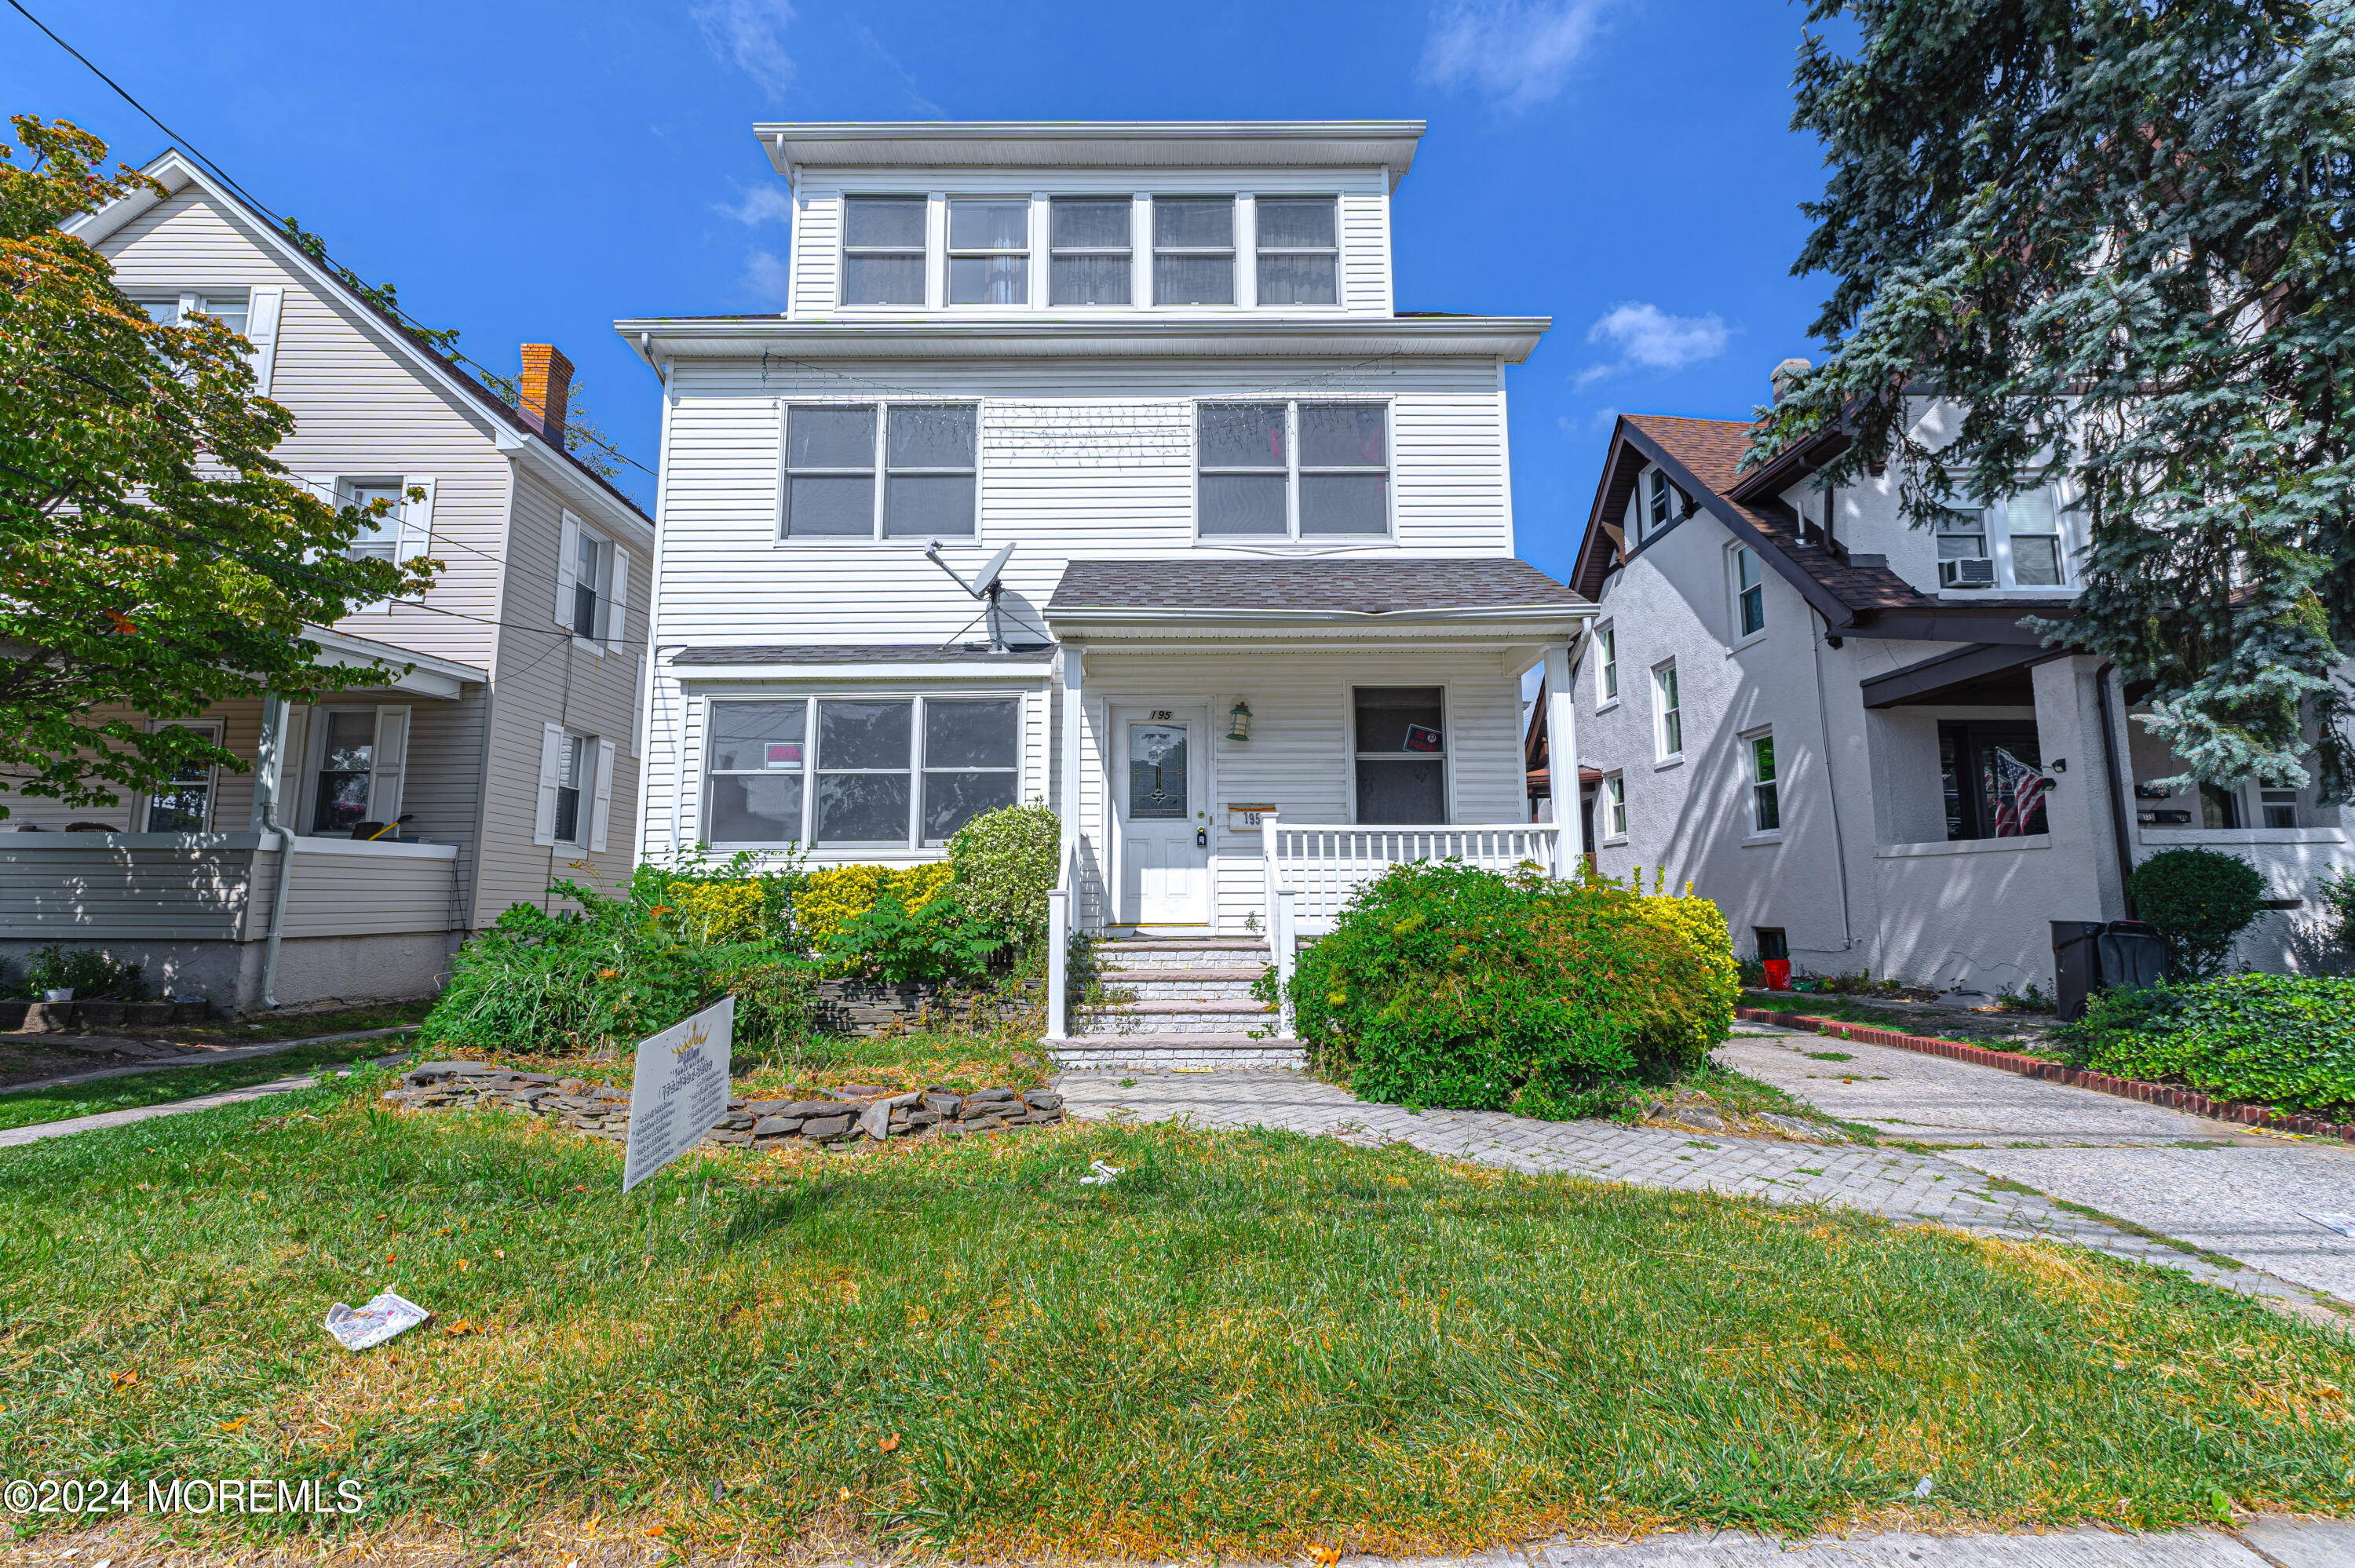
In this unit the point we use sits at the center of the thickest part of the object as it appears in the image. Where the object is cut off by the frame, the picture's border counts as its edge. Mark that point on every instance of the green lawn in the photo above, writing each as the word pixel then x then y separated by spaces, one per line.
pixel 27 1106
pixel 1250 1343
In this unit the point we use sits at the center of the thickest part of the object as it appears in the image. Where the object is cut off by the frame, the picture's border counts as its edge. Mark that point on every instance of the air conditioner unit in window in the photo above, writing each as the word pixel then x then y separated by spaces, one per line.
pixel 1970 572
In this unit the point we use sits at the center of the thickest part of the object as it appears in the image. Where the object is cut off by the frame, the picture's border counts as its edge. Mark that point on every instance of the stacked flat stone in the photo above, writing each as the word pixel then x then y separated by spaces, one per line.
pixel 838 1119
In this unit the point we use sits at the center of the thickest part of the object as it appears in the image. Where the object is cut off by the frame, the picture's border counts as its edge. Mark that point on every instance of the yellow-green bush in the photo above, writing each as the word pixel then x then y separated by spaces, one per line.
pixel 719 911
pixel 828 898
pixel 1699 1012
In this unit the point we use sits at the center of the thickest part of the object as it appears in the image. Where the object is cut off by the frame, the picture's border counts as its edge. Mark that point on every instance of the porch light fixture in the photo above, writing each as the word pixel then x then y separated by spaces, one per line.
pixel 1239 721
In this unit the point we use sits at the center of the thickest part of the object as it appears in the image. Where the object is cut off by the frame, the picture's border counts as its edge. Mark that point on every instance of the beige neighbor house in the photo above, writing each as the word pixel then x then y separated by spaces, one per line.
pixel 505 751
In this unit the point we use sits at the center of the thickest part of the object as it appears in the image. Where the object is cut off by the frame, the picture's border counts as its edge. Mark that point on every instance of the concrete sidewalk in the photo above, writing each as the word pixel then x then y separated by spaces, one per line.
pixel 2256 1543
pixel 14 1136
pixel 208 1057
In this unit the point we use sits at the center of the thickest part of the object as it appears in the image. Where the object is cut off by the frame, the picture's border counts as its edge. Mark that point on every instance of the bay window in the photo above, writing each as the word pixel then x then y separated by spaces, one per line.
pixel 1300 469
pixel 926 452
pixel 883 773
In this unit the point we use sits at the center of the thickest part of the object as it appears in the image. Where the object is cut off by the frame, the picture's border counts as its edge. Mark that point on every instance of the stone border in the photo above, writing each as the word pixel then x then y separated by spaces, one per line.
pixel 838 1122
pixel 79 1017
pixel 2174 1098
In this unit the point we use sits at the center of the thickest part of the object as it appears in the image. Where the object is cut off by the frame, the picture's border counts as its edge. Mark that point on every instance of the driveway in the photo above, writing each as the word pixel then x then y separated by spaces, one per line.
pixel 2244 1194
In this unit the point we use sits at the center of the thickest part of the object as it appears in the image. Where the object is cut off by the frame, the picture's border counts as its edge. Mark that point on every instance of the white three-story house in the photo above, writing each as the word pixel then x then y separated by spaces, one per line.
pixel 1242 530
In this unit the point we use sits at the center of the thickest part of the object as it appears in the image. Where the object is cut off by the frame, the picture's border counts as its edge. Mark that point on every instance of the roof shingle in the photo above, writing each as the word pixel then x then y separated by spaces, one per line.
pixel 1383 586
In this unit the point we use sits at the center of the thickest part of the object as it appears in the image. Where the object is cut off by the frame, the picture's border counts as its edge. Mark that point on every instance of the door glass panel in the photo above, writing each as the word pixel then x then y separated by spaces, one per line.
pixel 1157 772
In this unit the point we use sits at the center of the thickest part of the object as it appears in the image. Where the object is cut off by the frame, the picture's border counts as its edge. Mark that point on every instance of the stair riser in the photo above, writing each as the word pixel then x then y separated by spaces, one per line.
pixel 1169 1056
pixel 1107 958
pixel 1153 991
pixel 1147 1022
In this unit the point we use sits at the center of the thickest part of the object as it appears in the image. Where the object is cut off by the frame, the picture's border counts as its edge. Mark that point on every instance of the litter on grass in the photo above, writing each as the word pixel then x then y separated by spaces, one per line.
pixel 373 1324
pixel 1105 1175
pixel 1922 1488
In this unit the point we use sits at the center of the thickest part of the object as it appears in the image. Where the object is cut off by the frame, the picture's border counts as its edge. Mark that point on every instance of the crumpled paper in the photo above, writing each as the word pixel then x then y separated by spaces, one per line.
pixel 1105 1175
pixel 373 1324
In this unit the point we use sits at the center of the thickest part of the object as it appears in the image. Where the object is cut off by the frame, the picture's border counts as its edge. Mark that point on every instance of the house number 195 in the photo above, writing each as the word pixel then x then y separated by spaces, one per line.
pixel 1164 713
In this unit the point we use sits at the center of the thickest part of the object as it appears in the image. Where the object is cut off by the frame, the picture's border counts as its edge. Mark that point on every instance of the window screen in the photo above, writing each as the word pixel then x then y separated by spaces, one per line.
pixel 756 763
pixel 883 251
pixel 1401 754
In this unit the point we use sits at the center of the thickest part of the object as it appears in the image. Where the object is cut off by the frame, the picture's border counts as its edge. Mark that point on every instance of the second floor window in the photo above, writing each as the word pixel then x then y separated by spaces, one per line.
pixel 989 252
pixel 1256 480
pixel 1765 803
pixel 1668 713
pixel 1607 642
pixel 1088 250
pixel 883 251
pixel 381 540
pixel 592 586
pixel 2015 542
pixel 925 452
pixel 1193 250
pixel 1299 252
pixel 1749 593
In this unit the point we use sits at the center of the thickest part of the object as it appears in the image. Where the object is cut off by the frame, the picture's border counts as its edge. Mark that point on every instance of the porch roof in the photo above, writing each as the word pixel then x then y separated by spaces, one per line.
pixel 1493 587
pixel 419 675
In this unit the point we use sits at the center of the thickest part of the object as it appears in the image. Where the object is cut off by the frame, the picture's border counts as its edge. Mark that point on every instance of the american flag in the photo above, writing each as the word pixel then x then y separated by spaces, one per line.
pixel 2018 789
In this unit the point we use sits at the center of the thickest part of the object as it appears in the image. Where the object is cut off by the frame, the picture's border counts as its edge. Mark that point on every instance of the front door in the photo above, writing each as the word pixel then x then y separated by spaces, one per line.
pixel 1159 785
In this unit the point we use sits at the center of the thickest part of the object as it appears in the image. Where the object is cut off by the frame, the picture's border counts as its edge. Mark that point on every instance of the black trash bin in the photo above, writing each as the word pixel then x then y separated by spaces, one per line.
pixel 2089 955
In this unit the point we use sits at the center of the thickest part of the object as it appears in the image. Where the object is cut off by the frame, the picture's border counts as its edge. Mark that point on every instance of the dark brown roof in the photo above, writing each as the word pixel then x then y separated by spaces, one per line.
pixel 1384 585
pixel 859 653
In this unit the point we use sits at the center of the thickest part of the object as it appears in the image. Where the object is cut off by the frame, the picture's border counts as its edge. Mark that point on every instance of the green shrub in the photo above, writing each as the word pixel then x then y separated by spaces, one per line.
pixel 2285 1041
pixel 623 968
pixel 823 900
pixel 2201 901
pixel 940 939
pixel 1446 985
pixel 2338 890
pixel 1005 862
pixel 91 974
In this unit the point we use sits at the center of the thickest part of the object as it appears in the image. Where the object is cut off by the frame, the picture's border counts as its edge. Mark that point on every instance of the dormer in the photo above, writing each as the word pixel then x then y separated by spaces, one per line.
pixel 1036 220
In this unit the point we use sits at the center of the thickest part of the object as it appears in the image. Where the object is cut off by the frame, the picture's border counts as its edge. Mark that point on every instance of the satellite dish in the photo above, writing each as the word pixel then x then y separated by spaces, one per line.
pixel 985 585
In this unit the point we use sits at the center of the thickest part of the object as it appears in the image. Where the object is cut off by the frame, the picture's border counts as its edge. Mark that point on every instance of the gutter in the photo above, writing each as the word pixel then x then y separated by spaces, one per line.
pixel 273 736
pixel 2117 796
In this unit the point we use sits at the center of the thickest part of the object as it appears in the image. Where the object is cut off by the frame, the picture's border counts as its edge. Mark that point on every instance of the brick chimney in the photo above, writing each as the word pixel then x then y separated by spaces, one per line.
pixel 546 386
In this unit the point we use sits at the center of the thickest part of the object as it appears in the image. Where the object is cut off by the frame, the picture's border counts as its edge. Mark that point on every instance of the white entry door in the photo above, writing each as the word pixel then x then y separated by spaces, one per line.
pixel 1160 787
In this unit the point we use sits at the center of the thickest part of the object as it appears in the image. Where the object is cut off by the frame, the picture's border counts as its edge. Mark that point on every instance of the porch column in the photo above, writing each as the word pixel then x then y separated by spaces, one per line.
pixel 1070 660
pixel 1562 757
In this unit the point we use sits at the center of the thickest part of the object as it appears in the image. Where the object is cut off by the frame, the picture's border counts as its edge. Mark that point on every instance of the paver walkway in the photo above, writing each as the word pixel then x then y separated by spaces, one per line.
pixel 1891 1182
pixel 2234 1191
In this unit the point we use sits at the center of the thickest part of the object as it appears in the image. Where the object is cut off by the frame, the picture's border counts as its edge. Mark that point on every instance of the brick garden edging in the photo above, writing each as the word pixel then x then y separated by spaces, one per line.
pixel 839 1122
pixel 2190 1100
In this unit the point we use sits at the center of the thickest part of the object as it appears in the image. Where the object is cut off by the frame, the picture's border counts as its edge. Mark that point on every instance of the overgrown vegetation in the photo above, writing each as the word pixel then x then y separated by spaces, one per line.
pixel 91 974
pixel 1443 984
pixel 2285 1041
pixel 1251 1344
pixel 2201 901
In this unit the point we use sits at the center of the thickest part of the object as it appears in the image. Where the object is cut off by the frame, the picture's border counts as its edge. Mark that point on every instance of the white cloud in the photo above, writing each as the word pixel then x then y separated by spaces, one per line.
pixel 767 276
pixel 1519 52
pixel 1648 338
pixel 761 203
pixel 749 36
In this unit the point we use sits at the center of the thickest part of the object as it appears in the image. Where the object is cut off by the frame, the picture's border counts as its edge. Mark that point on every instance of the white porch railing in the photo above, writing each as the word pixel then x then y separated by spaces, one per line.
pixel 1324 864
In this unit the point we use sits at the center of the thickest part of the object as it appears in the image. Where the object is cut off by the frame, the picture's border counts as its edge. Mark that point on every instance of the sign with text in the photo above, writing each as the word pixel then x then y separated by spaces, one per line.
pixel 681 1090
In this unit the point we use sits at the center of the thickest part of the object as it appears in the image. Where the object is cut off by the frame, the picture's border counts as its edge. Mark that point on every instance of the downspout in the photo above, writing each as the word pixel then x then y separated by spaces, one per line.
pixel 1831 784
pixel 2117 796
pixel 273 736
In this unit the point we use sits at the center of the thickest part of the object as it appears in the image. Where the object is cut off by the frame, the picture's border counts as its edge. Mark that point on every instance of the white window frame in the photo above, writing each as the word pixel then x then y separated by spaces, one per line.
pixel 1606 667
pixel 879 475
pixel 1614 803
pixel 953 253
pixel 1736 557
pixel 1260 248
pixel 1763 793
pixel 1126 251
pixel 1233 250
pixel 1445 754
pixel 1655 503
pixel 410 521
pixel 845 252
pixel 1293 471
pixel 2275 797
pixel 813 762
pixel 1668 714
pixel 1996 534
pixel 212 730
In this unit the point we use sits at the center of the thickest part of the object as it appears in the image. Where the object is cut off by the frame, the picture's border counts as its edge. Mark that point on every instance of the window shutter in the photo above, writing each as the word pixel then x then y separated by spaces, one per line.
pixel 639 701
pixel 416 522
pixel 388 764
pixel 605 794
pixel 262 331
pixel 617 619
pixel 551 767
pixel 568 570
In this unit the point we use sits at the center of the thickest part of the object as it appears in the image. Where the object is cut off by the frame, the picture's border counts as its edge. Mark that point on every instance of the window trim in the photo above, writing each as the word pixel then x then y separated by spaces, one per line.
pixel 1260 248
pixel 879 474
pixel 602 593
pixel 845 250
pixel 1233 250
pixel 1614 801
pixel 1127 252
pixel 951 252
pixel 1291 471
pixel 812 764
pixel 1996 534
pixel 1668 714
pixel 1446 690
pixel 1763 793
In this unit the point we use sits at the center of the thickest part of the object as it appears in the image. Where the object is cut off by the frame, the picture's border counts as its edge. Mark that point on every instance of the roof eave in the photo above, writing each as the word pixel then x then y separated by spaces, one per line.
pixel 1511 339
pixel 791 145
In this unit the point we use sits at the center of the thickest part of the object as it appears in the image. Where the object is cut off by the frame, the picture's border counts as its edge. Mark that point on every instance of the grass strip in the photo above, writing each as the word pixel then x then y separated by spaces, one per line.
pixel 29 1107
pixel 1251 1342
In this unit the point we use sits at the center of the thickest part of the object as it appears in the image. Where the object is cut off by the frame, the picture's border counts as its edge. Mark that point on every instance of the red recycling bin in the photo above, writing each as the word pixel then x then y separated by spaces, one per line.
pixel 1778 974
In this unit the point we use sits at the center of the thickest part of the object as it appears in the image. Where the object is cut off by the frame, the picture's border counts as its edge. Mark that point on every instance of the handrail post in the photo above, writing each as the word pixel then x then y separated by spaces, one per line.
pixel 1058 963
pixel 1287 941
pixel 1267 839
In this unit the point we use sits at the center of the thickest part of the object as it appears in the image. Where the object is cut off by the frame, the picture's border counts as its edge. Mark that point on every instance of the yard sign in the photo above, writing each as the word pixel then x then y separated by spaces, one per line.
pixel 680 1089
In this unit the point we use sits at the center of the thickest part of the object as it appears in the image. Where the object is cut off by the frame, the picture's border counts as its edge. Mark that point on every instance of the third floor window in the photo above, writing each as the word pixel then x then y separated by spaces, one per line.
pixel 1193 250
pixel 989 252
pixel 1299 252
pixel 1088 250
pixel 883 251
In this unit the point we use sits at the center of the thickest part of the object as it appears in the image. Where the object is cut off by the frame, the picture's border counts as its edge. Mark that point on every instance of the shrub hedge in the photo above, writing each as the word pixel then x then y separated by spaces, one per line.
pixel 2285 1041
pixel 1443 984
pixel 2200 900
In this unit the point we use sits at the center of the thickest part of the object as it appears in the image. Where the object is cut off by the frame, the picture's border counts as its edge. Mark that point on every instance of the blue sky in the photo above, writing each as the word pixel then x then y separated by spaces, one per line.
pixel 530 170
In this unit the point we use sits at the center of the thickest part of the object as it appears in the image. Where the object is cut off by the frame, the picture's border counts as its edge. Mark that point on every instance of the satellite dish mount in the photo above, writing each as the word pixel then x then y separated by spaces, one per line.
pixel 985 586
